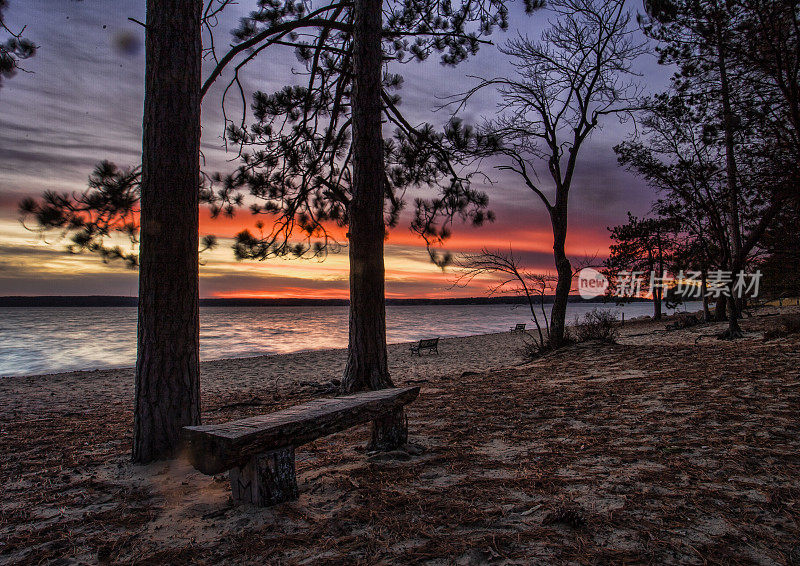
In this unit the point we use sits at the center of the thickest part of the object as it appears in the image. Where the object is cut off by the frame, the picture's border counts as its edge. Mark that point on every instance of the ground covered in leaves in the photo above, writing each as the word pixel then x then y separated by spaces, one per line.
pixel 666 448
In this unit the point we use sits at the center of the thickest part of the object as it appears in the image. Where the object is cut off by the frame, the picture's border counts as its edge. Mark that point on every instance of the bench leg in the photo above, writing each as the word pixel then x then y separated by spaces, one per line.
pixel 390 431
pixel 267 479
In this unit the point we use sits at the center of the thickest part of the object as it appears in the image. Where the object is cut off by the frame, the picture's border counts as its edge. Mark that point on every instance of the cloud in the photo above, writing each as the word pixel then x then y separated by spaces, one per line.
pixel 83 103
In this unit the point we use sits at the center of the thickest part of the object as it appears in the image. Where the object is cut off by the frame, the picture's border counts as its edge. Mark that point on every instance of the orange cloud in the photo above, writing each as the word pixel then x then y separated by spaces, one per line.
pixel 284 293
pixel 525 238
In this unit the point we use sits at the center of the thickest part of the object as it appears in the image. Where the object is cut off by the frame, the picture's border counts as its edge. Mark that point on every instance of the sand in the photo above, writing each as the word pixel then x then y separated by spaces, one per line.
pixel 668 447
pixel 258 376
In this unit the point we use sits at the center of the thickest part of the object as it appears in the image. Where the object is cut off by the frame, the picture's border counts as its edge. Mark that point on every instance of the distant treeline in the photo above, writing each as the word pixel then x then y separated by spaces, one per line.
pixel 115 301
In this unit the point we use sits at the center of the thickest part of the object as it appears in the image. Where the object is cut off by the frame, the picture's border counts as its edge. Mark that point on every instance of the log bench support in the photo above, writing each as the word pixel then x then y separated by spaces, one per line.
pixel 258 452
pixel 266 479
pixel 390 431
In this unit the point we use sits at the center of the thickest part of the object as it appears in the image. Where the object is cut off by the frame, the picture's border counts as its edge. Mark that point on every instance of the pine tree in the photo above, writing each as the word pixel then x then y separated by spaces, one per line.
pixel 643 245
pixel 167 361
pixel 308 174
pixel 14 48
pixel 705 39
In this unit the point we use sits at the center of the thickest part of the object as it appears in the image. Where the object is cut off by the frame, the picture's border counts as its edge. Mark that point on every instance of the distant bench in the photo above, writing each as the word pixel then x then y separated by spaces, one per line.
pixel 259 451
pixel 519 328
pixel 429 344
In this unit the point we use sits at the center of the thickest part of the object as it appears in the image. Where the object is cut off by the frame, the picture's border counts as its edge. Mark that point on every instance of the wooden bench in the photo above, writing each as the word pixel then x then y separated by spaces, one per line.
pixel 430 344
pixel 518 328
pixel 259 451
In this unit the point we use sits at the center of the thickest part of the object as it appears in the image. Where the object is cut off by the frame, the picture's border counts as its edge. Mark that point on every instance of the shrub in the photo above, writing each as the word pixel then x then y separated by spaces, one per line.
pixel 791 323
pixel 596 325
pixel 687 320
pixel 532 350
pixel 787 324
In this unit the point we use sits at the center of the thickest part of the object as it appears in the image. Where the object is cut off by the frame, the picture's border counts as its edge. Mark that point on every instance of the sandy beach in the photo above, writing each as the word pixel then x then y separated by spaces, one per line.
pixel 667 447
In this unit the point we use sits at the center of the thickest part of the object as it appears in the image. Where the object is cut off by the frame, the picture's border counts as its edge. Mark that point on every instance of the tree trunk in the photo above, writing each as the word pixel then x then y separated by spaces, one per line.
pixel 734 330
pixel 720 311
pixel 658 293
pixel 367 366
pixel 167 367
pixel 703 291
pixel 533 311
pixel 558 315
pixel 737 260
pixel 657 304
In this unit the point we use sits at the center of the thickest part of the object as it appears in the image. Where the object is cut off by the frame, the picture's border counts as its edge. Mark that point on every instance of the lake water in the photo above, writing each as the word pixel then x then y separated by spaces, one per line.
pixel 50 340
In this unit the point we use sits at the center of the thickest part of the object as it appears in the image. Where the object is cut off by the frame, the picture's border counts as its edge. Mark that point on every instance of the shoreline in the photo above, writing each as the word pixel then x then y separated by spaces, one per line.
pixel 263 377
pixel 392 345
pixel 259 375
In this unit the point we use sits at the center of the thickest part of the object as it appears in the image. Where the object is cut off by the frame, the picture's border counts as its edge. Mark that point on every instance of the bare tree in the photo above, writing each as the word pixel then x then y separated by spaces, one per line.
pixel 564 85
pixel 672 152
pixel 512 277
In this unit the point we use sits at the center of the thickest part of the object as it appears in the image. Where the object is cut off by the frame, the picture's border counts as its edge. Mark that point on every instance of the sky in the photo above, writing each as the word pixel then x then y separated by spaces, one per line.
pixel 80 101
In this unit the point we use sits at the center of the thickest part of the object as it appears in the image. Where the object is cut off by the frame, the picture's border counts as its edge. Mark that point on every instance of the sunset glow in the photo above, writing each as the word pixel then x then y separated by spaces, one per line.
pixel 97 106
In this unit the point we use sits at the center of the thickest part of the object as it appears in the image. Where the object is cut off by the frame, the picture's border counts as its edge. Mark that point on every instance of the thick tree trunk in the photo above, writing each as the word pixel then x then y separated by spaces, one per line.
pixel 367 366
pixel 706 310
pixel 167 370
pixel 558 218
pixel 734 330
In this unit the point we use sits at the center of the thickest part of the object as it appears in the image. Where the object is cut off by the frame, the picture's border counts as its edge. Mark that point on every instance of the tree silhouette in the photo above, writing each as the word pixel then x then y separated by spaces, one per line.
pixel 512 277
pixel 564 85
pixel 304 173
pixel 97 218
pixel 644 245
pixel 708 41
pixel 297 157
pixel 296 165
pixel 308 172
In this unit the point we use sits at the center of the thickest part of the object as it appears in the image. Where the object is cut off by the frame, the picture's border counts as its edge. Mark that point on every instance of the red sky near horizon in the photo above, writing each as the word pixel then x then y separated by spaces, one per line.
pixel 407 258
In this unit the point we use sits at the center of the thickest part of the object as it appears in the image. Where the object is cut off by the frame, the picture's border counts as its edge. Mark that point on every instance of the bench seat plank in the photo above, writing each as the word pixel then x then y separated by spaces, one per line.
pixel 215 448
